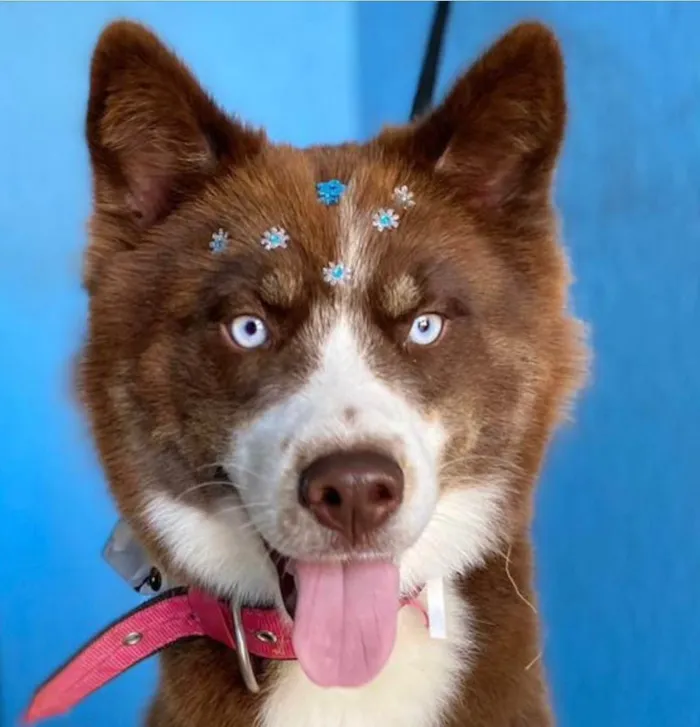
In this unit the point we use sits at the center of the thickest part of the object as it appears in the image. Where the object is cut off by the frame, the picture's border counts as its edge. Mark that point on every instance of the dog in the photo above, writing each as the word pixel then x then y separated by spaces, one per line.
pixel 325 380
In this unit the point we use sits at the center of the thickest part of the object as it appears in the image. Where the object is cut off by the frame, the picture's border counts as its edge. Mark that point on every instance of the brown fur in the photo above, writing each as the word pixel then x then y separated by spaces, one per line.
pixel 163 387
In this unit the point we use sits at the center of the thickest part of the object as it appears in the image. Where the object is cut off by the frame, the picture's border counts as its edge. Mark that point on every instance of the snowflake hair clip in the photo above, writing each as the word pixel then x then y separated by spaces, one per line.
pixel 385 220
pixel 219 241
pixel 274 238
pixel 330 192
pixel 404 197
pixel 336 274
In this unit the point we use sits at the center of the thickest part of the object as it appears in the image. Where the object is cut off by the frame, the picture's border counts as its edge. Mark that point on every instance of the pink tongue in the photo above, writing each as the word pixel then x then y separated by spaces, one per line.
pixel 345 621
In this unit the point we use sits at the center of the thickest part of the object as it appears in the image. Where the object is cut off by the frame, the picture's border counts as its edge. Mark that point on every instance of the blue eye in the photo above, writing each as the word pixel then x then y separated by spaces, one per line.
pixel 426 329
pixel 248 332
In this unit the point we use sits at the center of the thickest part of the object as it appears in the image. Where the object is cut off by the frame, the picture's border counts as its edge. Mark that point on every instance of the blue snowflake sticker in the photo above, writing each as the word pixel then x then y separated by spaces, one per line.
pixel 219 241
pixel 385 220
pixel 274 237
pixel 330 192
pixel 336 274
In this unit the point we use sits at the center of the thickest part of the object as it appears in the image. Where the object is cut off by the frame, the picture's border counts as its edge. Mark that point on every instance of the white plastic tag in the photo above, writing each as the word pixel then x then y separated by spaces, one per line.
pixel 437 617
pixel 124 553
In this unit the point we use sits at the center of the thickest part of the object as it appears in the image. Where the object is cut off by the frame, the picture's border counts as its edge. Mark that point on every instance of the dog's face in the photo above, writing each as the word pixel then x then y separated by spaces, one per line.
pixel 276 369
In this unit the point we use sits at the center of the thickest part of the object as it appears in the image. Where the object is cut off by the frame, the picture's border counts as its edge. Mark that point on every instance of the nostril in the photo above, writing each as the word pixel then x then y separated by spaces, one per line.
pixel 331 497
pixel 381 493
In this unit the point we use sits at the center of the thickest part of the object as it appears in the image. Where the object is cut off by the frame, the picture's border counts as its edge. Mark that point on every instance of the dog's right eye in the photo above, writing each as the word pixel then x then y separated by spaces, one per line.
pixel 426 329
pixel 248 332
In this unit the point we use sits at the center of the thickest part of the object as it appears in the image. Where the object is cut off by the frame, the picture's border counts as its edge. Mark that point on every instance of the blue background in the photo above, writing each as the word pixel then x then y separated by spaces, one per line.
pixel 619 506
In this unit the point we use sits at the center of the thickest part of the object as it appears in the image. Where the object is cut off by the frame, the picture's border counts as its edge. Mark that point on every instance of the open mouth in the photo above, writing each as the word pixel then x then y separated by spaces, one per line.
pixel 345 616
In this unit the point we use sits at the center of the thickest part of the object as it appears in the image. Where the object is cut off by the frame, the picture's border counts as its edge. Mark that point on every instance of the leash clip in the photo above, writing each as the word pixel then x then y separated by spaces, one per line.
pixel 242 653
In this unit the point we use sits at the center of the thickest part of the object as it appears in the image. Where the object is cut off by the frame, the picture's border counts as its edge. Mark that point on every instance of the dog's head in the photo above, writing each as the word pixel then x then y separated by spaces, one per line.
pixel 333 356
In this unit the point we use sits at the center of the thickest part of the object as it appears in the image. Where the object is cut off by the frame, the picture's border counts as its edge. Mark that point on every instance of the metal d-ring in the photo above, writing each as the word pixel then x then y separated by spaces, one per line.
pixel 242 653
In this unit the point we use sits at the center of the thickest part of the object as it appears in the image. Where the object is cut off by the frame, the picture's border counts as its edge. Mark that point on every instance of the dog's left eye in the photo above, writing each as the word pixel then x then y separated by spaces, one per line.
pixel 248 332
pixel 426 329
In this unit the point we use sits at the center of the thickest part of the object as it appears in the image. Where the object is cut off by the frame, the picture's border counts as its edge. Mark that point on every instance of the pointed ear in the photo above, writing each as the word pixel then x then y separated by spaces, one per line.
pixel 497 135
pixel 154 135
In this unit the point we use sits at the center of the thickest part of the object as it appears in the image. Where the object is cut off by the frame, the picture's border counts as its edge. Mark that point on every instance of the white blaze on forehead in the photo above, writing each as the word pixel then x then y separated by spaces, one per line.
pixel 345 379
pixel 355 232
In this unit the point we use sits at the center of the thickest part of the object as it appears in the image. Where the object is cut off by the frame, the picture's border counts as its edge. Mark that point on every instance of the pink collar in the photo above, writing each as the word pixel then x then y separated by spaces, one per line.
pixel 162 621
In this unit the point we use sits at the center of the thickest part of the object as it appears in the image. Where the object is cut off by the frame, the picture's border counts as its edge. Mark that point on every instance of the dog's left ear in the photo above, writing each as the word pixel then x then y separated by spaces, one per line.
pixel 154 134
pixel 497 135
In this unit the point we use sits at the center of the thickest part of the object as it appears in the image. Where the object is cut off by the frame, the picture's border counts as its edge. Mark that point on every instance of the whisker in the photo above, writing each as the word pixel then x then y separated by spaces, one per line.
pixel 202 485
pixel 239 469
pixel 500 463
pixel 520 595
pixel 241 506
pixel 216 463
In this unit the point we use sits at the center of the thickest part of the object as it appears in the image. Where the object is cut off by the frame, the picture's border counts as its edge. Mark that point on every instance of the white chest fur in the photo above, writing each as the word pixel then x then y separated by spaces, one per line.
pixel 414 689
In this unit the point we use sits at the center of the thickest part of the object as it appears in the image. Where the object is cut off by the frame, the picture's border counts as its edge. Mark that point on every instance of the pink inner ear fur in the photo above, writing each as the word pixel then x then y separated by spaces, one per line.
pixel 491 185
pixel 148 196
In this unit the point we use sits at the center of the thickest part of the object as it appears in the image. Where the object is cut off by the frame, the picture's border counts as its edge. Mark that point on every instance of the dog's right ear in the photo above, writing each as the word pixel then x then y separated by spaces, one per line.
pixel 154 135
pixel 496 136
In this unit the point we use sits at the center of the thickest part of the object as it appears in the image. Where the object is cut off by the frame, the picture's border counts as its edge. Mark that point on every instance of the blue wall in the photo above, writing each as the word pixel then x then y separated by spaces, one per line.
pixel 619 507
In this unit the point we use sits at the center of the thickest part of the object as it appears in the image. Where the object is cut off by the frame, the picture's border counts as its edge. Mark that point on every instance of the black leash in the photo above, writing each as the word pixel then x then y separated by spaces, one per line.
pixel 425 90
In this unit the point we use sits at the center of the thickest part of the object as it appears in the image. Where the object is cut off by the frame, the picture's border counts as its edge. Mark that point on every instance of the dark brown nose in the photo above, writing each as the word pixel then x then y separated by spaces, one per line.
pixel 352 492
